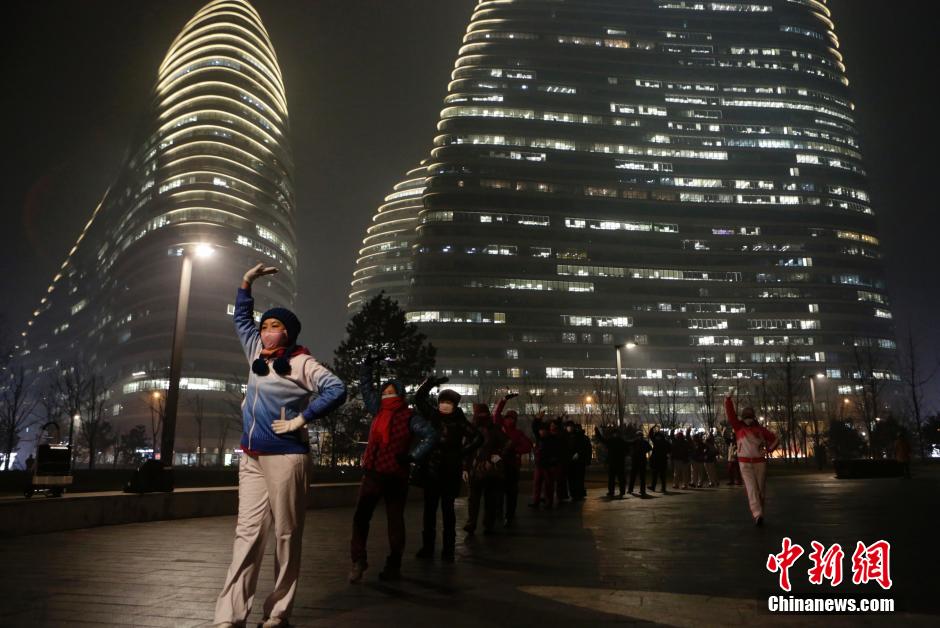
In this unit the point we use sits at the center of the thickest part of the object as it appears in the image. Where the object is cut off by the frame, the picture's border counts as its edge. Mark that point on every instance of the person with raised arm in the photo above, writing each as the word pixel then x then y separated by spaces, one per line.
pixel 398 437
pixel 446 466
pixel 754 442
pixel 521 446
pixel 287 389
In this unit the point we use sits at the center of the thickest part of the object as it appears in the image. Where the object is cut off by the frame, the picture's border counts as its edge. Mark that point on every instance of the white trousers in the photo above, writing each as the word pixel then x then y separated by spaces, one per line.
pixel 754 475
pixel 272 492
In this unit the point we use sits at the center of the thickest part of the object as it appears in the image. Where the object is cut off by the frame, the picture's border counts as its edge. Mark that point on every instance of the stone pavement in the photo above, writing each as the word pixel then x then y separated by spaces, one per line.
pixel 690 558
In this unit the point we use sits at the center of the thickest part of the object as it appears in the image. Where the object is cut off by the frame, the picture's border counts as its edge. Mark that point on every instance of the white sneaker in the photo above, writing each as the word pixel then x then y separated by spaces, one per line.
pixel 275 622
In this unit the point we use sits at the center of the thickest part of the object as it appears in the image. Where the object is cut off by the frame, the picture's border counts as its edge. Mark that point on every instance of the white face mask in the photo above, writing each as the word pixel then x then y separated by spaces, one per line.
pixel 273 339
pixel 389 395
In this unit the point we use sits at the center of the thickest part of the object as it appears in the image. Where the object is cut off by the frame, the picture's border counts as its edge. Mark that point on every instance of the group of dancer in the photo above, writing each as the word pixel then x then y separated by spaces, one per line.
pixel 432 445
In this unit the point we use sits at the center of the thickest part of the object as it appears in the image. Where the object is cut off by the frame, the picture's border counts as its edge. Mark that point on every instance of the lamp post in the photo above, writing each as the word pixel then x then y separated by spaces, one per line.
pixel 176 363
pixel 75 417
pixel 812 391
pixel 617 349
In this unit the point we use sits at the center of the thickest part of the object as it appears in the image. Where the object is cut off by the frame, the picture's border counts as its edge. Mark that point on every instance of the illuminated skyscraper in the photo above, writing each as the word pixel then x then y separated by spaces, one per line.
pixel 683 176
pixel 212 164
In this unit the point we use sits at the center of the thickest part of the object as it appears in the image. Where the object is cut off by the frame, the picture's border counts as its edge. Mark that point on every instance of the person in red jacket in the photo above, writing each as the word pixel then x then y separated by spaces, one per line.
pixel 398 436
pixel 754 443
pixel 521 446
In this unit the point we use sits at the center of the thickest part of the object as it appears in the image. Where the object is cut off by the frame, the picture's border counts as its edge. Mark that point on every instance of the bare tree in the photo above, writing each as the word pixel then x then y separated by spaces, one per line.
pixel 915 377
pixel 869 384
pixel 709 395
pixel 95 429
pixel 17 409
pixel 664 402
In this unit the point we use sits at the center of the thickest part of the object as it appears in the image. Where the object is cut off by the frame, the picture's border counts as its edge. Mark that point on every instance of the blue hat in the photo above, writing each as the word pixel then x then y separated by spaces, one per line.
pixel 288 318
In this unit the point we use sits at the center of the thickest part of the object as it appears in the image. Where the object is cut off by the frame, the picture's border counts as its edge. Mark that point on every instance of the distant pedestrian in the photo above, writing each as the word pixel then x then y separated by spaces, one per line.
pixel 659 458
pixel 734 471
pixel 386 465
pixel 679 448
pixel 487 471
pixel 30 463
pixel 612 439
pixel 754 443
pixel 711 459
pixel 548 454
pixel 638 448
pixel 697 456
pixel 580 453
pixel 287 388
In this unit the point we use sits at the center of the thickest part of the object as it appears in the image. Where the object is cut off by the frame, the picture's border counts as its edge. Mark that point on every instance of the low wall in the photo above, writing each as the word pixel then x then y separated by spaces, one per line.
pixel 43 514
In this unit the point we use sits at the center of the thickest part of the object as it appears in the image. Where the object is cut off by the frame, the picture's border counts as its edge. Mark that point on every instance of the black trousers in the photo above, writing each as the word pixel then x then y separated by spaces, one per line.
pixel 616 470
pixel 435 495
pixel 638 469
pixel 490 492
pixel 576 472
pixel 658 471
pixel 511 491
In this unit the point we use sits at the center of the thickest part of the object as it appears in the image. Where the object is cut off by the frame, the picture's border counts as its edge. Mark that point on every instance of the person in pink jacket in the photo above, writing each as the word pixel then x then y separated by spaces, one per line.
pixel 754 443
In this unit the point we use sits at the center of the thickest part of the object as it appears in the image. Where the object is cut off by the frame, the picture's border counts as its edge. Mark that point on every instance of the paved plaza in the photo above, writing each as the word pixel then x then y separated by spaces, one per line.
pixel 689 558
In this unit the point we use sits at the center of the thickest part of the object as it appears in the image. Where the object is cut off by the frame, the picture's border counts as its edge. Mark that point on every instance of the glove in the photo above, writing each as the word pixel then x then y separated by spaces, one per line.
pixel 404 459
pixel 466 477
pixel 495 458
pixel 438 381
pixel 282 426
pixel 510 396
pixel 574 457
pixel 258 270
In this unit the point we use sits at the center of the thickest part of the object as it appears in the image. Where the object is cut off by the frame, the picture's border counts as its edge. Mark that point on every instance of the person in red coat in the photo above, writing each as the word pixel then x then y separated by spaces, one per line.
pixel 521 446
pixel 754 443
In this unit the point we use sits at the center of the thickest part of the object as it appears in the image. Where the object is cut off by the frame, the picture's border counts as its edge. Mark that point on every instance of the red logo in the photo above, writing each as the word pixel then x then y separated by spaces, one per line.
pixel 783 561
pixel 872 563
pixel 826 565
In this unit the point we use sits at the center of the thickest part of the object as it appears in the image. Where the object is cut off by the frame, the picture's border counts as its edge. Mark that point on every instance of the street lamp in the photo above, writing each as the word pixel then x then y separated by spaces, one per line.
pixel 628 346
pixel 201 250
pixel 75 417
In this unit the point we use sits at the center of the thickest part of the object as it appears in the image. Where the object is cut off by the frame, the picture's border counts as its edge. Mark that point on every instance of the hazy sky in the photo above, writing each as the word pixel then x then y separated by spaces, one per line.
pixel 365 80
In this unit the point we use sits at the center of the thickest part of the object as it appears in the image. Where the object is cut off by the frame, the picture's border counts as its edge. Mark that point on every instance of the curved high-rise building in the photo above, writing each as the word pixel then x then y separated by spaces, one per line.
pixel 385 261
pixel 211 164
pixel 680 175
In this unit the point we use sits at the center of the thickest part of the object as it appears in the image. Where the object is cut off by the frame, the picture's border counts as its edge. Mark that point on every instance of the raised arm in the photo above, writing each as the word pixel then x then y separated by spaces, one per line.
pixel 244 317
pixel 422 396
pixel 370 398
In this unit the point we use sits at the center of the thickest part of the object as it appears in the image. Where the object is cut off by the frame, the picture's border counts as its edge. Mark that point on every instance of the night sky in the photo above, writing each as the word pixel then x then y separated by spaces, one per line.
pixel 365 81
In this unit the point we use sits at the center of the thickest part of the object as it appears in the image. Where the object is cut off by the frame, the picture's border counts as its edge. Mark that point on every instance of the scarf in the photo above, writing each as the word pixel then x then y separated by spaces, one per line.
pixel 381 429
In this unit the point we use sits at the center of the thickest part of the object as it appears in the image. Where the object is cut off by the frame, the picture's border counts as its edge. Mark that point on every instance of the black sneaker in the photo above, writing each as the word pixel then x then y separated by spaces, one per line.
pixel 759 522
pixel 447 556
pixel 390 574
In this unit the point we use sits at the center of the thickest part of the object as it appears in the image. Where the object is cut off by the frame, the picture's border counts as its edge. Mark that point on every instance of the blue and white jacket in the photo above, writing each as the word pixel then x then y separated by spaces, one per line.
pixel 310 390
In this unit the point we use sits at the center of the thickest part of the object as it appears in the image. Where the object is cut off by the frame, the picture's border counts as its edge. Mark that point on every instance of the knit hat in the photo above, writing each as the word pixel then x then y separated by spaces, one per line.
pixel 288 318
pixel 449 395
pixel 399 387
